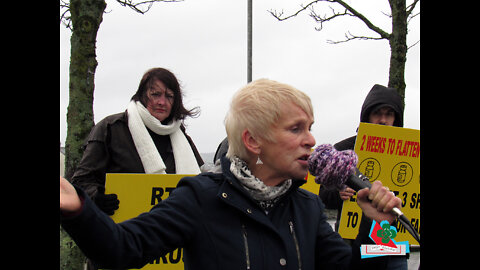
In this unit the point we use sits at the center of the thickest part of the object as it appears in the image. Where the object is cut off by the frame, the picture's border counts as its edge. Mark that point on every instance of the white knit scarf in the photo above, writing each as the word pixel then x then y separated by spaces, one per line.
pixel 138 118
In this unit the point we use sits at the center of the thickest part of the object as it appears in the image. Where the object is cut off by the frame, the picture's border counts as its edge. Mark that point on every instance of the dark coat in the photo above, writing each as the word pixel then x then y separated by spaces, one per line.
pixel 109 148
pixel 220 227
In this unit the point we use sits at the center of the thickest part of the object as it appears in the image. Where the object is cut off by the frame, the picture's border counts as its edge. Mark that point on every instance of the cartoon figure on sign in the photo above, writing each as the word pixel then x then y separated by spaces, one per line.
pixel 371 168
pixel 402 174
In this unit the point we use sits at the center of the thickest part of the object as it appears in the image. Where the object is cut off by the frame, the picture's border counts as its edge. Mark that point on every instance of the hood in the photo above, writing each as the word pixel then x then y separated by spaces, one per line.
pixel 378 96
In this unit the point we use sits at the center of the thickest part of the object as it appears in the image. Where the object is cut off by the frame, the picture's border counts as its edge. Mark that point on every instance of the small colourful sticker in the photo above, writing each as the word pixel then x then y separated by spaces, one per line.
pixel 383 235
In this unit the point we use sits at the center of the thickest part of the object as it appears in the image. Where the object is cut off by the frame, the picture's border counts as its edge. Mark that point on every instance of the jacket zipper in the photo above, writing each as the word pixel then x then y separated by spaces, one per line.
pixel 297 247
pixel 245 242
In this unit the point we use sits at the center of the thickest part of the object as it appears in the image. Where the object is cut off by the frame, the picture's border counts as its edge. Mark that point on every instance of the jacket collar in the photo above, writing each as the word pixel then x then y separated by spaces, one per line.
pixel 225 163
pixel 237 196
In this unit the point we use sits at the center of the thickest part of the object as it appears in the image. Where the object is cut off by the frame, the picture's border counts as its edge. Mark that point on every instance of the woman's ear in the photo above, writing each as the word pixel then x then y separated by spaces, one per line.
pixel 252 144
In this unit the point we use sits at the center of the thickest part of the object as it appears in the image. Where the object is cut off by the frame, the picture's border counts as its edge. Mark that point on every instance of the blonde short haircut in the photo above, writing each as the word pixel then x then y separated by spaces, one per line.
pixel 256 107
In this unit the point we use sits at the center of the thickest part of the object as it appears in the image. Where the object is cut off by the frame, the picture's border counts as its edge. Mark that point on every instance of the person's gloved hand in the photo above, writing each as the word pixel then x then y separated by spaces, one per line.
pixel 108 203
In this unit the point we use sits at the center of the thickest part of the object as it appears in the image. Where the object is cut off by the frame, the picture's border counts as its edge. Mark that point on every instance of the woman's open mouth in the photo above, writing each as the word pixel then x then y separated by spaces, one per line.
pixel 304 159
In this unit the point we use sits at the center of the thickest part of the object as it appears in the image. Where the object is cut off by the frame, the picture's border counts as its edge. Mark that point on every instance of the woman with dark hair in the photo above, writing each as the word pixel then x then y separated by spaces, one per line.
pixel 166 80
pixel 149 137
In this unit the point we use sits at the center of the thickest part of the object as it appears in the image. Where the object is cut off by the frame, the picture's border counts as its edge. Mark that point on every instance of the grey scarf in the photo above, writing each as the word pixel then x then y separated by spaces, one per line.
pixel 266 196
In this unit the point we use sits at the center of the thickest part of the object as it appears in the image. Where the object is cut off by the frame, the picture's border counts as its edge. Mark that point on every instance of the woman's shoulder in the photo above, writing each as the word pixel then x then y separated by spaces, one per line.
pixel 202 188
pixel 100 131
pixel 114 118
pixel 203 181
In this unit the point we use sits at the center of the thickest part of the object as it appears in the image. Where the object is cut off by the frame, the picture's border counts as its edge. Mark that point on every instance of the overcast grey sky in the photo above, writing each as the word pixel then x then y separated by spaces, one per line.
pixel 204 43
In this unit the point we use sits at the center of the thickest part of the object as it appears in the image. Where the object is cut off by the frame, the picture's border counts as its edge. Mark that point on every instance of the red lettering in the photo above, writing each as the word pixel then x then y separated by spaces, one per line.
pixel 399 147
pixel 382 146
pixel 369 143
pixel 415 149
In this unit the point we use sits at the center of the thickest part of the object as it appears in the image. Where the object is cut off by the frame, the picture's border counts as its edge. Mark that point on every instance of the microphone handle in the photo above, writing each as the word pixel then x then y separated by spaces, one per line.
pixel 358 181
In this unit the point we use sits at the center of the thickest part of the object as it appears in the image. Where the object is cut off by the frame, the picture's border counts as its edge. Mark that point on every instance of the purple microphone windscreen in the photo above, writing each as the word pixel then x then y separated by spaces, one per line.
pixel 332 167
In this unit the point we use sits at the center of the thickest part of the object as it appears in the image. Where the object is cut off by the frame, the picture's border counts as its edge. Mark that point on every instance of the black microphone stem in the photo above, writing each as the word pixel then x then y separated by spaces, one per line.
pixel 365 182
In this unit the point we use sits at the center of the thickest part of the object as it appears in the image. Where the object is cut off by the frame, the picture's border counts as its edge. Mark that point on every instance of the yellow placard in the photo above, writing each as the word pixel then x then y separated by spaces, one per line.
pixel 137 194
pixel 391 155
pixel 311 185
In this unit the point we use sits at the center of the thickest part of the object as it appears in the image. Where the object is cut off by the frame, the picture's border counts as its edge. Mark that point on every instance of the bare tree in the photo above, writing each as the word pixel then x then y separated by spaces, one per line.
pixel 141 7
pixel 400 14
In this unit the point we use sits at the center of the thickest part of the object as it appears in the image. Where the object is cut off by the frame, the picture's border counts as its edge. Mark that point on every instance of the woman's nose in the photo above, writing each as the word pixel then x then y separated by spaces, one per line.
pixel 310 140
pixel 161 100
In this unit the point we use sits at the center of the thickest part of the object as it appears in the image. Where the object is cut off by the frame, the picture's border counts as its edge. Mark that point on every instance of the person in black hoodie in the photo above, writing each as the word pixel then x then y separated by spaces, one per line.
pixel 382 106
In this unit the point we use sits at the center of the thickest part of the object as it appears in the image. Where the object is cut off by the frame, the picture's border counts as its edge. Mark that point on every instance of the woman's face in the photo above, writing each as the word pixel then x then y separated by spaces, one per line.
pixel 159 100
pixel 287 156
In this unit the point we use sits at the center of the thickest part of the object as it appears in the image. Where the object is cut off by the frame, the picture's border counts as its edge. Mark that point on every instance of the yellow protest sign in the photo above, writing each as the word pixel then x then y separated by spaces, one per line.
pixel 391 155
pixel 137 194
pixel 311 185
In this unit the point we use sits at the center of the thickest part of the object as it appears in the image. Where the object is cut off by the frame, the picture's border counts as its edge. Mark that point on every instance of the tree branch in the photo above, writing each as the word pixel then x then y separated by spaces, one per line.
pixel 386 14
pixel 413 45
pixel 349 11
pixel 349 36
pixel 411 17
pixel 367 22
pixel 323 19
pixel 140 6
pixel 411 7
pixel 65 16
pixel 279 15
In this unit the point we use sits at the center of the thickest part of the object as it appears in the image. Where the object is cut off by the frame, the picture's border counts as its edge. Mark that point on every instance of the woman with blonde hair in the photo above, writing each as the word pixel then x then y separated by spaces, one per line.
pixel 252 215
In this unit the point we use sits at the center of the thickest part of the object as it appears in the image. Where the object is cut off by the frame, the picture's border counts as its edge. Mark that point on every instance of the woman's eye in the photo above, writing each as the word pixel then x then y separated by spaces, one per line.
pixel 295 129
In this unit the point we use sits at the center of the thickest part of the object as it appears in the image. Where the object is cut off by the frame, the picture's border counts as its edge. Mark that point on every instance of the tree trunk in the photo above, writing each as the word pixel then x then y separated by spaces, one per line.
pixel 71 257
pixel 86 16
pixel 398 46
